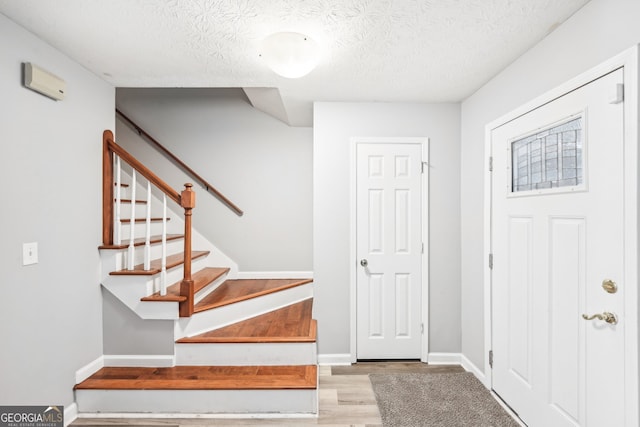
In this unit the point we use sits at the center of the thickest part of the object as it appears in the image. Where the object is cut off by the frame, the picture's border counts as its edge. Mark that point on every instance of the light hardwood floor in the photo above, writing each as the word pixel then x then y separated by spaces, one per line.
pixel 346 399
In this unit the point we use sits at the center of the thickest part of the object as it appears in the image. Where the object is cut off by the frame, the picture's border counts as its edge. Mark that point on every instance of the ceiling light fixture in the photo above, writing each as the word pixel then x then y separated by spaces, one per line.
pixel 290 54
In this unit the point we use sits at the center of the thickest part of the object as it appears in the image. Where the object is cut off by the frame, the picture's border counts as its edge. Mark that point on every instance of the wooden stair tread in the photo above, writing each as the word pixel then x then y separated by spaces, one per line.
pixel 200 279
pixel 140 241
pixel 292 323
pixel 232 291
pixel 203 378
pixel 156 265
pixel 154 219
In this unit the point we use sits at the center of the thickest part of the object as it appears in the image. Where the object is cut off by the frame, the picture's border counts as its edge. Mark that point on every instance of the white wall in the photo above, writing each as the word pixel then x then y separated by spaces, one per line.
pixel 600 30
pixel 259 163
pixel 334 125
pixel 50 313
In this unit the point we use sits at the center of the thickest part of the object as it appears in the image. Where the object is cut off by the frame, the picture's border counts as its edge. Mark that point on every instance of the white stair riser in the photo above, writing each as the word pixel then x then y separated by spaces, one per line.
pixel 197 401
pixel 233 313
pixel 246 354
pixel 141 208
pixel 129 289
pixel 173 246
pixel 140 229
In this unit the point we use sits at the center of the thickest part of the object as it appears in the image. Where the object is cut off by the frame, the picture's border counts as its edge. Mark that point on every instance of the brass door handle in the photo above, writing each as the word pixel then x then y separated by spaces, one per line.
pixel 606 316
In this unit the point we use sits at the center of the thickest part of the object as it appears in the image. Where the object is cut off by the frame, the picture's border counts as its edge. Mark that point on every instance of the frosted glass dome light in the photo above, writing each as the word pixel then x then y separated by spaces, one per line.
pixel 290 54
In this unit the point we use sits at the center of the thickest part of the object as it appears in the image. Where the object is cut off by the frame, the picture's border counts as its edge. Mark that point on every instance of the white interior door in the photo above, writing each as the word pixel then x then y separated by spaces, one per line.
pixel 557 235
pixel 389 250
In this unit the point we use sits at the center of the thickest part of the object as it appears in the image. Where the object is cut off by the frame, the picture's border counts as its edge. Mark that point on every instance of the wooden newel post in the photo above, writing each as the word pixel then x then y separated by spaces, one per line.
pixel 188 202
pixel 107 188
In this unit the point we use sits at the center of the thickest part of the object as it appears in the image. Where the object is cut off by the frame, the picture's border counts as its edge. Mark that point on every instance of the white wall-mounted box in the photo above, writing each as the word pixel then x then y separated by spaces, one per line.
pixel 42 81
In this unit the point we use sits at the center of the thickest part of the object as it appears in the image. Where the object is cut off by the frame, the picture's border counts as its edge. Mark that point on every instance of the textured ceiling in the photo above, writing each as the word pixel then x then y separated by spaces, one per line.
pixel 374 50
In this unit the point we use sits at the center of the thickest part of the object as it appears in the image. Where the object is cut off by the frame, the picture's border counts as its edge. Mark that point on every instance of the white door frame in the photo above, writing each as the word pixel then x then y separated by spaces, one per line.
pixel 353 265
pixel 629 61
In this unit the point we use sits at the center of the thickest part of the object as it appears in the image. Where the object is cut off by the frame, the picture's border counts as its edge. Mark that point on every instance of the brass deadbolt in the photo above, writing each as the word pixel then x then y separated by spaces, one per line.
pixel 609 286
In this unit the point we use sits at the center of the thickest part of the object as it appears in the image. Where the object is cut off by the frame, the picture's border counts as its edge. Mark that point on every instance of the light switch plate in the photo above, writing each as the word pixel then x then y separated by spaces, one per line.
pixel 29 253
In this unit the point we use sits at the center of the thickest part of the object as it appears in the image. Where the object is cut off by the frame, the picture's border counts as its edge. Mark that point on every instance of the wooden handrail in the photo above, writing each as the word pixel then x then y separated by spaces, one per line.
pixel 186 168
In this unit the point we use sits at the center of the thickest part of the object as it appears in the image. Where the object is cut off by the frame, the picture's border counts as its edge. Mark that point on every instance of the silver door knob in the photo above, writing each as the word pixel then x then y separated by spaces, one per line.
pixel 364 262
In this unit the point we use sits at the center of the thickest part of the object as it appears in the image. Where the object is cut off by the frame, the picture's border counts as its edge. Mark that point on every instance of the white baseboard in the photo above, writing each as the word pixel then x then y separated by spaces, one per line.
pixel 275 275
pixel 470 367
pixel 458 359
pixel 89 369
pixel 444 359
pixel 70 414
pixel 334 359
pixel 154 361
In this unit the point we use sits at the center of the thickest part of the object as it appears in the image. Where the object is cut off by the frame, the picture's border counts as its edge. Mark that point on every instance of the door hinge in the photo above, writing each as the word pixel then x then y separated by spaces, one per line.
pixel 490 260
pixel 422 328
pixel 422 249
pixel 491 358
pixel 491 164
pixel 423 165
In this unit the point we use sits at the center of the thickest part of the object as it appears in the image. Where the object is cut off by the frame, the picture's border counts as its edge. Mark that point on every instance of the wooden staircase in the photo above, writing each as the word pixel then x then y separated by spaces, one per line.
pixel 247 346
pixel 264 364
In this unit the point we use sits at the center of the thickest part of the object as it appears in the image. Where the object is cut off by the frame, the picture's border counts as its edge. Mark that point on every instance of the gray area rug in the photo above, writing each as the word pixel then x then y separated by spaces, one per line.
pixel 438 400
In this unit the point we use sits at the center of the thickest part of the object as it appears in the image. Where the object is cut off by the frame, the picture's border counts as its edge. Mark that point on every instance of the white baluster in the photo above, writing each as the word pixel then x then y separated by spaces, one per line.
pixel 118 219
pixel 163 273
pixel 147 241
pixel 130 260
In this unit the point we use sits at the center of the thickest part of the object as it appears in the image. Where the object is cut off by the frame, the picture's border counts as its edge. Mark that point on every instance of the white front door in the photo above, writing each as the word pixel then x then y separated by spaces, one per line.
pixel 389 250
pixel 557 236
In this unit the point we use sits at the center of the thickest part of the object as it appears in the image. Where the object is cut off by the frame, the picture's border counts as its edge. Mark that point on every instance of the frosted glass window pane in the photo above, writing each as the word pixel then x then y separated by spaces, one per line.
pixel 548 159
